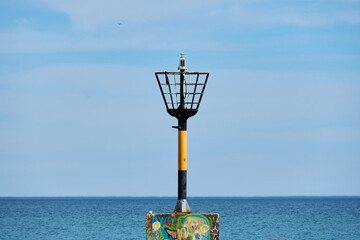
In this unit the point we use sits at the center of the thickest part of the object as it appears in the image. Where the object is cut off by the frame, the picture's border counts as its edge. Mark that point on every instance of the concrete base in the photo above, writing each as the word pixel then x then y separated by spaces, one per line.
pixel 182 226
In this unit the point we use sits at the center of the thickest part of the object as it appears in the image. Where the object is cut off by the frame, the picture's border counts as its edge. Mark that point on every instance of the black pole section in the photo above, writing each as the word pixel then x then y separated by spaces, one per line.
pixel 182 124
pixel 182 95
pixel 182 185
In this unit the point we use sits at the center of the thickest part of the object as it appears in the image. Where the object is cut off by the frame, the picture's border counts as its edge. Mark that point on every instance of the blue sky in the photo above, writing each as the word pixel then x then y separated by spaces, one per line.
pixel 81 113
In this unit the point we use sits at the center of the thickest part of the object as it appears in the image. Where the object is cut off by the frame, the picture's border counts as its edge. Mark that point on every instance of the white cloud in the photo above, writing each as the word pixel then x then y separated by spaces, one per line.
pixel 166 25
pixel 97 15
pixel 25 40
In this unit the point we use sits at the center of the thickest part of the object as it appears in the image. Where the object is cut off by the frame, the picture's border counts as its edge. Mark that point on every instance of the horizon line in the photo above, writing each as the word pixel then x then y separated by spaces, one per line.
pixel 114 196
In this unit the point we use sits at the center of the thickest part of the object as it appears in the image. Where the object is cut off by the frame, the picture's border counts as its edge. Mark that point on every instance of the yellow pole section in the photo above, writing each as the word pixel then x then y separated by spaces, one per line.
pixel 182 150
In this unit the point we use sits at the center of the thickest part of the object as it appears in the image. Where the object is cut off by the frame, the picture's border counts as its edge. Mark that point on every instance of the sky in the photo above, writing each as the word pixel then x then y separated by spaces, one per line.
pixel 81 113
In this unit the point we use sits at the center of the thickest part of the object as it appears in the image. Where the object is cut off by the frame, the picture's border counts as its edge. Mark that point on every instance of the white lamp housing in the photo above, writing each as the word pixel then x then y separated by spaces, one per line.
pixel 182 62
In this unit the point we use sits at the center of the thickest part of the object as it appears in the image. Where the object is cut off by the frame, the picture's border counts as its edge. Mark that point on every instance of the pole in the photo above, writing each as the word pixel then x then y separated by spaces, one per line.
pixel 182 205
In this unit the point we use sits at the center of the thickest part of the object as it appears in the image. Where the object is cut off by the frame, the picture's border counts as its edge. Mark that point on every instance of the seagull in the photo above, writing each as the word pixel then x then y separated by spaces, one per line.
pixel 119 23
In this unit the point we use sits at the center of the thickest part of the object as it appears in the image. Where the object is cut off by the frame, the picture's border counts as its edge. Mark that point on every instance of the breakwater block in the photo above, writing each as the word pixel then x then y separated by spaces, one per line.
pixel 182 226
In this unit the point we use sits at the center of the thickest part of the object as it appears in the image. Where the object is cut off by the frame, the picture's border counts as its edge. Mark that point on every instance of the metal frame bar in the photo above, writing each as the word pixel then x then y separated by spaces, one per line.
pixel 178 73
pixel 192 103
pixel 188 89
pixel 162 93
pixel 167 81
pixel 202 92
pixel 186 103
pixel 197 79
pixel 179 93
pixel 176 96
pixel 178 84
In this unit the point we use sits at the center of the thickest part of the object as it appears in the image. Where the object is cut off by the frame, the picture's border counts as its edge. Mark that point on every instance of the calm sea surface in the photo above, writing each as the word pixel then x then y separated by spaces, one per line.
pixel 124 218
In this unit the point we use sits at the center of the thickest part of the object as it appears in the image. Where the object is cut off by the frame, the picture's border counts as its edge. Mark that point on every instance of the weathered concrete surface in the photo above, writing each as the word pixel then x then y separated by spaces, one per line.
pixel 182 226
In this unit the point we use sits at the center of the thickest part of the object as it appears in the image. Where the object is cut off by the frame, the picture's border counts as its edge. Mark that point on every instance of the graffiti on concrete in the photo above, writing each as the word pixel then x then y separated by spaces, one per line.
pixel 182 226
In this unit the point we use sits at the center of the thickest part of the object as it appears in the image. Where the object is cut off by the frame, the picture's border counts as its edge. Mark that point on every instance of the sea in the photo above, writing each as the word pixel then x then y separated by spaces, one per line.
pixel 271 218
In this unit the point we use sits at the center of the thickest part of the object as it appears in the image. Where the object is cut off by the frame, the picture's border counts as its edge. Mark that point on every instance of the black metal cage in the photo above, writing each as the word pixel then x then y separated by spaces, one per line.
pixel 186 95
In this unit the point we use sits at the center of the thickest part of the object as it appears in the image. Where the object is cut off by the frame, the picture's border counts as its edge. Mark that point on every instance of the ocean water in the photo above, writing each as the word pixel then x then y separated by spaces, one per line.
pixel 124 218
